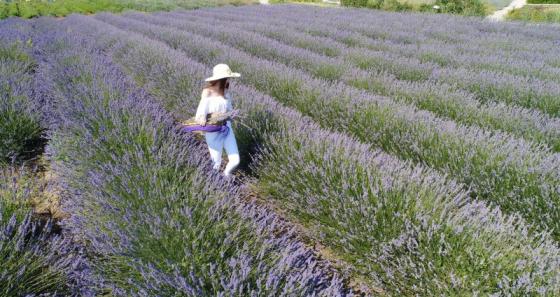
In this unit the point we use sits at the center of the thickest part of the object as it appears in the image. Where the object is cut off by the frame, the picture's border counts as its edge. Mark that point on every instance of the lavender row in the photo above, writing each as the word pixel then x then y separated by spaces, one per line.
pixel 437 98
pixel 512 173
pixel 278 71
pixel 467 34
pixel 487 85
pixel 35 260
pixel 421 57
pixel 345 193
pixel 141 194
pixel 429 48
pixel 412 44
pixel 21 131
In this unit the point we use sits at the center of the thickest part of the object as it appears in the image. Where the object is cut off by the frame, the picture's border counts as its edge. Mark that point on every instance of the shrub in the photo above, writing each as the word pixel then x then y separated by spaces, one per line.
pixel 35 261
pixel 390 5
pixel 395 5
pixel 21 133
pixel 463 7
pixel 354 3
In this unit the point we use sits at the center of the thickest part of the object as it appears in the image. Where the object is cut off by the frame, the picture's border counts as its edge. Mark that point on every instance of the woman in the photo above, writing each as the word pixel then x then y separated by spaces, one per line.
pixel 215 98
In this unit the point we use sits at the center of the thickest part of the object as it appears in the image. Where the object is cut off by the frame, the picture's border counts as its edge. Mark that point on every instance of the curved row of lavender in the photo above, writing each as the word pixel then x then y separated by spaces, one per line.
pixel 35 259
pixel 402 227
pixel 416 36
pixel 488 84
pixel 518 175
pixel 458 105
pixel 141 196
pixel 21 130
pixel 385 72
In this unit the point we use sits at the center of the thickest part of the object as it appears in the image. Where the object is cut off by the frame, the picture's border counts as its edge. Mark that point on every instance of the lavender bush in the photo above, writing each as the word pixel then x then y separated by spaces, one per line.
pixel 35 260
pixel 141 195
pixel 381 215
pixel 498 167
pixel 21 132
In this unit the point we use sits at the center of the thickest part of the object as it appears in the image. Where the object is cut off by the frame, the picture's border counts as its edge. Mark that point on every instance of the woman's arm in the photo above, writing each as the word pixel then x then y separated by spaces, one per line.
pixel 202 109
pixel 229 105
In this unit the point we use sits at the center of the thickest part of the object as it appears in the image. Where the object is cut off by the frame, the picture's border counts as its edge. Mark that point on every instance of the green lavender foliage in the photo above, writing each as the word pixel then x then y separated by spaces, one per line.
pixel 21 133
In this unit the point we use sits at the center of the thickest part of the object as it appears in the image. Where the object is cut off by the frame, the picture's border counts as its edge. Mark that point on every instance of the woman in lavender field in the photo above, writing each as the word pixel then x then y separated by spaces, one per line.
pixel 215 98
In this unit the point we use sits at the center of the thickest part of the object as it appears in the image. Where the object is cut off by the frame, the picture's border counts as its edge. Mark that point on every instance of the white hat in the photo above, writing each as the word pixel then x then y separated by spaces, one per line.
pixel 222 71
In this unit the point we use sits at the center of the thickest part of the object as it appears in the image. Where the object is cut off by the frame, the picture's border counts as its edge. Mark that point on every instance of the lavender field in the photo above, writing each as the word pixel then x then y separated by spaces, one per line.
pixel 401 155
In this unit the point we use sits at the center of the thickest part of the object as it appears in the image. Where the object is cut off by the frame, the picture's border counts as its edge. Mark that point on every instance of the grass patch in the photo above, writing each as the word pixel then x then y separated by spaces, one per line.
pixel 539 14
pixel 462 7
pixel 543 1
pixel 59 8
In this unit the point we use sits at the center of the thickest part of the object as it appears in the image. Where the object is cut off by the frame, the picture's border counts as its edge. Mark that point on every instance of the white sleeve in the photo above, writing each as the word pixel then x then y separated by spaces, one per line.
pixel 202 109
pixel 229 106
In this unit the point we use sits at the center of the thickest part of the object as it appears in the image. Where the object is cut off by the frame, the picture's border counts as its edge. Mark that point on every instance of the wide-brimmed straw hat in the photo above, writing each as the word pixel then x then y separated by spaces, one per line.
pixel 222 71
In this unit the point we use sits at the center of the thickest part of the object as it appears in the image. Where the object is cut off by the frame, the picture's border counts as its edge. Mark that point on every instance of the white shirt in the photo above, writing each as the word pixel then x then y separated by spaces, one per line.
pixel 215 103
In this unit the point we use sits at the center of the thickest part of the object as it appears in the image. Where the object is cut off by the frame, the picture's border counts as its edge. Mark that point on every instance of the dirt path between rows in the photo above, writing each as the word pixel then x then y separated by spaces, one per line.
pixel 500 15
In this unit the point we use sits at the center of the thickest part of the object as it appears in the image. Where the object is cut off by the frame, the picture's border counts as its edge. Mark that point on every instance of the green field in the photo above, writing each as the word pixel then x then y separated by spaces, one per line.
pixel 34 8
pixel 491 4
pixel 60 8
pixel 540 14
pixel 459 7
pixel 543 1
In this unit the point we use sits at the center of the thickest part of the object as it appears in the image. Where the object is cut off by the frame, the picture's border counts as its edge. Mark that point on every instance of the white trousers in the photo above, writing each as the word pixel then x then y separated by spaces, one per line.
pixel 216 144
